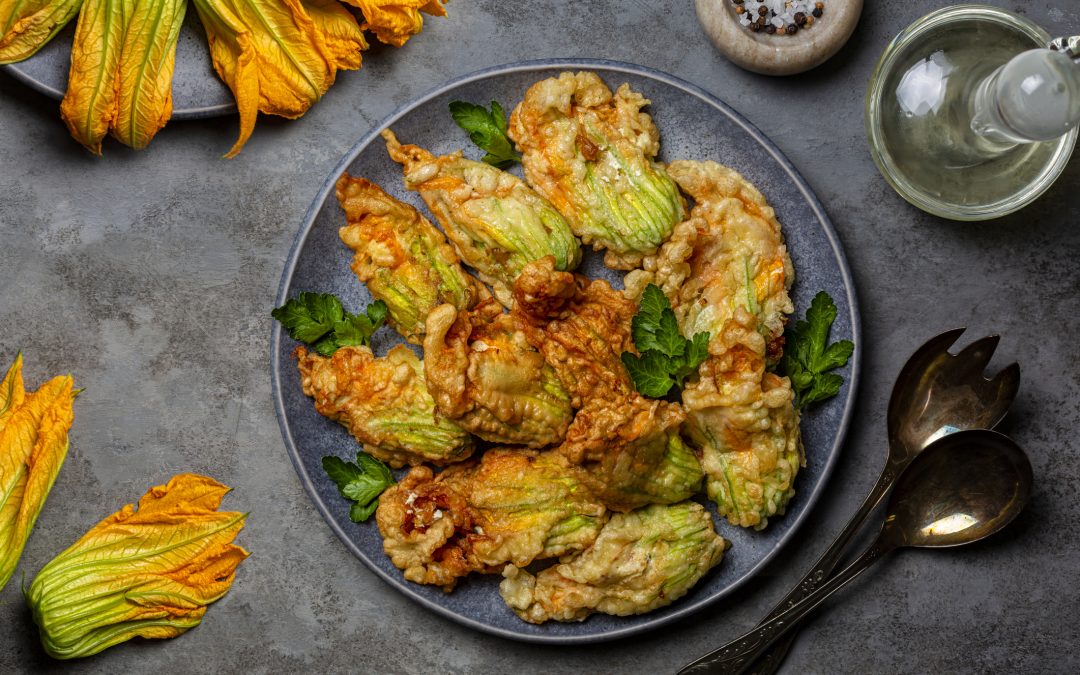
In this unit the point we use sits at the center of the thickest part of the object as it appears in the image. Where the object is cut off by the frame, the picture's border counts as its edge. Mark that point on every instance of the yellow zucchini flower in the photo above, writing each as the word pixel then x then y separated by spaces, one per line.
pixel 26 25
pixel 120 79
pixel 395 21
pixel 33 444
pixel 145 573
pixel 278 57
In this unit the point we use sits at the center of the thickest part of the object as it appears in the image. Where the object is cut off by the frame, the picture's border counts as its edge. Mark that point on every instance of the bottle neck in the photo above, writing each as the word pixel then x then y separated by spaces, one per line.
pixel 1034 97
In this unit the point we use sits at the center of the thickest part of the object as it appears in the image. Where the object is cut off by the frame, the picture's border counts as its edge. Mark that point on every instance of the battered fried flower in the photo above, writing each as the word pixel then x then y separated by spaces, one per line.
pixel 620 438
pixel 641 561
pixel 497 222
pixel 729 254
pixel 402 258
pixel 592 154
pixel 513 506
pixel 743 419
pixel 384 403
pixel 486 377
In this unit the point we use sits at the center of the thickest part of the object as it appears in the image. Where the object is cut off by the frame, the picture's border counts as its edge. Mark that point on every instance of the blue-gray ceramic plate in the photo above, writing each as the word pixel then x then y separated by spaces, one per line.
pixel 694 125
pixel 197 91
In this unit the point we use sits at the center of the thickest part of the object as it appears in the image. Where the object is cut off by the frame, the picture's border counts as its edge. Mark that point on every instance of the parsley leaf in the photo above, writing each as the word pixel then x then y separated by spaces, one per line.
pixel 487 130
pixel 319 320
pixel 667 358
pixel 808 355
pixel 361 483
pixel 309 316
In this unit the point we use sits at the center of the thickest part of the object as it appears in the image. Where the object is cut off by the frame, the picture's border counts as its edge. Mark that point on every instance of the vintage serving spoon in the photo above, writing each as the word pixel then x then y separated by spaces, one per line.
pixel 935 394
pixel 963 487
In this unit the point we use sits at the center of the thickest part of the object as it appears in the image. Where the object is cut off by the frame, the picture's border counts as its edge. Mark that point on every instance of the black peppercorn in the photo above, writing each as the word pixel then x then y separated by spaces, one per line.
pixel 800 18
pixel 817 13
pixel 792 29
pixel 756 27
pixel 770 29
pixel 763 10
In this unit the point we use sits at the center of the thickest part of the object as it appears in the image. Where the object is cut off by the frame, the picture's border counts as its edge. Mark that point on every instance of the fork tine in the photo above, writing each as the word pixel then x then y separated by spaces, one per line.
pixel 978 353
pixel 1007 380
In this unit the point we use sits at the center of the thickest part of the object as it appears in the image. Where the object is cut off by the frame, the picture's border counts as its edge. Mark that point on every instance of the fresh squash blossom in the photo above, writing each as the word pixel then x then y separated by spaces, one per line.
pixel 121 70
pixel 395 21
pixel 278 56
pixel 26 25
pixel 33 444
pixel 148 573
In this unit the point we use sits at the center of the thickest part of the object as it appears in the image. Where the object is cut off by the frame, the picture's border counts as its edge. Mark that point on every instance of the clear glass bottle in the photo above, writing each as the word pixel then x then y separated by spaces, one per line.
pixel 969 115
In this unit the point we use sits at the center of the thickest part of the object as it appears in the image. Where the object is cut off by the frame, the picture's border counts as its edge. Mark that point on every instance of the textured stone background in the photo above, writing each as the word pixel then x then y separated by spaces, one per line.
pixel 149 276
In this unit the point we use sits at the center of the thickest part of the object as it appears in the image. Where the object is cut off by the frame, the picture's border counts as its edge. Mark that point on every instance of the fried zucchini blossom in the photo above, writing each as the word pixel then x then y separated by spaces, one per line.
pixel 33 443
pixel 147 573
pixel 486 377
pixel 496 221
pixel 278 57
pixel 384 403
pixel 401 258
pixel 120 80
pixel 642 560
pixel 592 154
pixel 26 25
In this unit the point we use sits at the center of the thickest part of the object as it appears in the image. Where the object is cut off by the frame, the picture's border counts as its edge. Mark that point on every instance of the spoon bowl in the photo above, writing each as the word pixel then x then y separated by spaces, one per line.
pixel 962 488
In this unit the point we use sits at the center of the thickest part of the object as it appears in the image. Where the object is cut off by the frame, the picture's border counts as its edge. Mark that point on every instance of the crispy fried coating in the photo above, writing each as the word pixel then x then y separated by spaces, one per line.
pixel 384 403
pixel 401 257
pixel 730 253
pixel 511 506
pixel 622 440
pixel 486 377
pixel 496 221
pixel 641 561
pixel 591 153
pixel 743 419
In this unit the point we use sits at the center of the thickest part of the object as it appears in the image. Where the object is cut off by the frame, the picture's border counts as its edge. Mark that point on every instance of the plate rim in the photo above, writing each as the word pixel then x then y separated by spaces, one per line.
pixel 800 183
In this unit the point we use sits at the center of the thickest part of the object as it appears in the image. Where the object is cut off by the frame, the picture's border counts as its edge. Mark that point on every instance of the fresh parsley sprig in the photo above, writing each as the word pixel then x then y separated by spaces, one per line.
pixel 487 129
pixel 666 358
pixel 319 320
pixel 808 355
pixel 361 483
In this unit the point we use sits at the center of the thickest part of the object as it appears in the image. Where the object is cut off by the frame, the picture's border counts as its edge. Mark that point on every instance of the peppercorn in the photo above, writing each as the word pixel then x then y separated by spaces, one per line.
pixel 800 18
pixel 792 29
pixel 770 29
pixel 817 13
pixel 819 5
pixel 763 10
pixel 740 10
pixel 809 21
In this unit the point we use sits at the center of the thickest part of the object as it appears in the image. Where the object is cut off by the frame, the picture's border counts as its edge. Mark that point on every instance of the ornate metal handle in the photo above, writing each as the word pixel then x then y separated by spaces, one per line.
pixel 736 656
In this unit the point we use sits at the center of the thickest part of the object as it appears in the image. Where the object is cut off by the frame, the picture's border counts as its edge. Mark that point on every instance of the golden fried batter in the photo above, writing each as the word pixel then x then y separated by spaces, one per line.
pixel 511 506
pixel 743 419
pixel 402 258
pixel 620 438
pixel 496 221
pixel 384 403
pixel 591 154
pixel 729 254
pixel 641 561
pixel 486 377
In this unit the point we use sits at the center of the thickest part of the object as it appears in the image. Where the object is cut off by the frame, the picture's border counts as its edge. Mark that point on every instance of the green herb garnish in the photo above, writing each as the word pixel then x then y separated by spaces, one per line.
pixel 487 129
pixel 667 358
pixel 361 483
pixel 808 355
pixel 319 320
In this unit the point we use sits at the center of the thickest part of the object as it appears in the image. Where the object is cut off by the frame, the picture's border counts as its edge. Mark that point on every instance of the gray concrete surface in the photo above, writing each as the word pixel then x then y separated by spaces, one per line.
pixel 149 276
